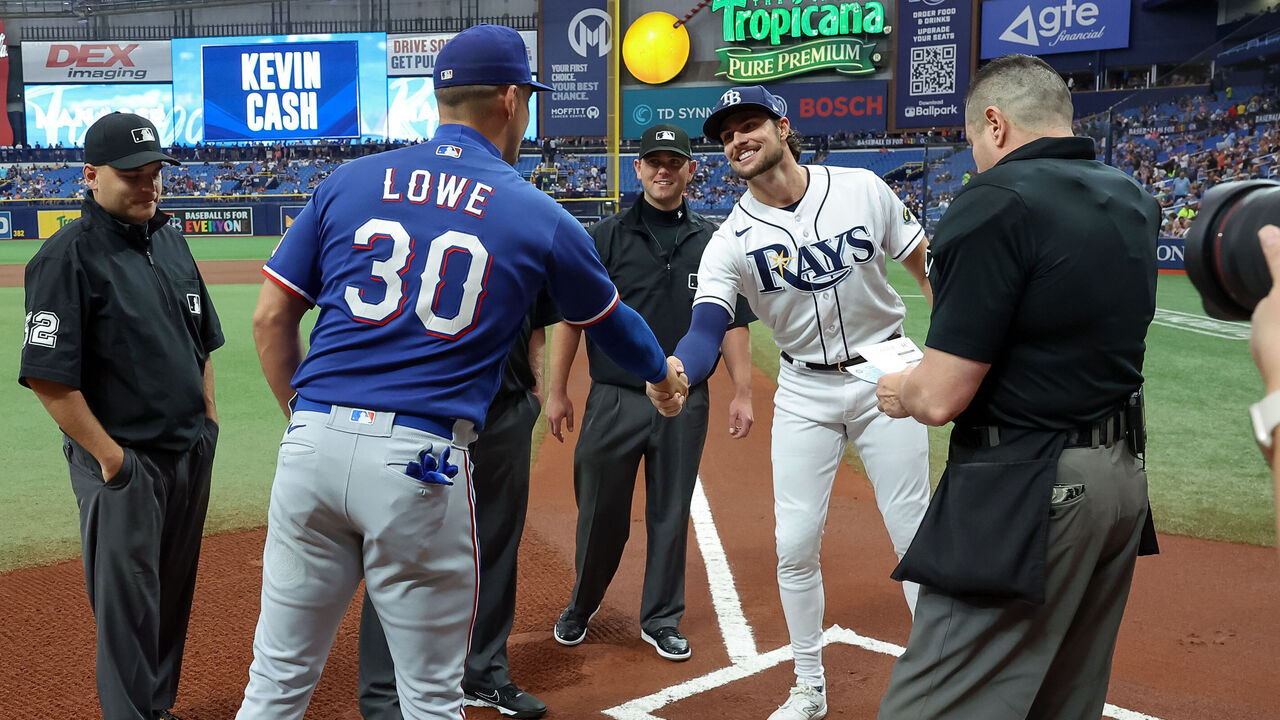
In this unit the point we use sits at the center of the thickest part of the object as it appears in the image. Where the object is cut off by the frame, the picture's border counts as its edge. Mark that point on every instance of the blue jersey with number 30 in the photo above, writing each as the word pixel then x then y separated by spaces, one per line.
pixel 423 262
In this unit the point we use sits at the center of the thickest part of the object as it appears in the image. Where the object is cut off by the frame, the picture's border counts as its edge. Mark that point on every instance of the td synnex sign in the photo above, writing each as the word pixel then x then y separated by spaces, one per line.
pixel 1044 27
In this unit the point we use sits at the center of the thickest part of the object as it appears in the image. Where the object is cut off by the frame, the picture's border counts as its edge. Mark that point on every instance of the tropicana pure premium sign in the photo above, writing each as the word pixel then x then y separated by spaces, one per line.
pixel 803 36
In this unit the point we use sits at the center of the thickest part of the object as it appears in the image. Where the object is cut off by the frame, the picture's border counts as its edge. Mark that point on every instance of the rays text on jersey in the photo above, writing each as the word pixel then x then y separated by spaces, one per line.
pixel 448 191
pixel 814 267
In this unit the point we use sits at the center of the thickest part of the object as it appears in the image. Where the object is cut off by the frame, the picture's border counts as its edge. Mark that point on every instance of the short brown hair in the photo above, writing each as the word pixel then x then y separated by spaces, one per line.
pixel 793 144
pixel 1025 88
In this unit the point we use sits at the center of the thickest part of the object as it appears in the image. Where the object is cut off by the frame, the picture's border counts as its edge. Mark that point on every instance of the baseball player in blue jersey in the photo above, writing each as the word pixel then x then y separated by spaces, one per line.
pixel 423 262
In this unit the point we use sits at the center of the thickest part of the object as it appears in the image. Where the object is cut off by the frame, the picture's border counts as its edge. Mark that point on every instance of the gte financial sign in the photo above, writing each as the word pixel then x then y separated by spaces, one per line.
pixel 1044 27
pixel 808 36
pixel 96 62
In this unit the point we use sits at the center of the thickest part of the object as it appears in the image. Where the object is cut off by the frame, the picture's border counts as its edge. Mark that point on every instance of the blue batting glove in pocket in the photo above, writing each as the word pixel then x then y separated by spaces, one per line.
pixel 424 469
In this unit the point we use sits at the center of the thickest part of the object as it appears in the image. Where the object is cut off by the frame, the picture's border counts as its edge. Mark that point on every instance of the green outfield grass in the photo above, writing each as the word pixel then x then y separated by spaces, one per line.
pixel 18 252
pixel 1207 478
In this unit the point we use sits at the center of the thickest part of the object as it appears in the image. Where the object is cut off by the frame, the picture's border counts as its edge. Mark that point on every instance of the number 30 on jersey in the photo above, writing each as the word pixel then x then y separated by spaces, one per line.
pixel 446 305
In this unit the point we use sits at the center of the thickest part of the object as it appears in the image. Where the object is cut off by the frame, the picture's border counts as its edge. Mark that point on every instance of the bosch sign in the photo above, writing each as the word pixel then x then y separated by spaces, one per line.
pixel 108 62
pixel 841 106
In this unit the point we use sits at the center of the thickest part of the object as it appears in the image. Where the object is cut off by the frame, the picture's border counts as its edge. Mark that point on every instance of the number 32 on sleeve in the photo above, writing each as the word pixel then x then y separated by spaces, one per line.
pixel 436 308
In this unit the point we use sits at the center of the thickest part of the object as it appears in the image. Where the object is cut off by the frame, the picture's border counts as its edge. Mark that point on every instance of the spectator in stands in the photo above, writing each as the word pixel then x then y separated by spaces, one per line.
pixel 1181 186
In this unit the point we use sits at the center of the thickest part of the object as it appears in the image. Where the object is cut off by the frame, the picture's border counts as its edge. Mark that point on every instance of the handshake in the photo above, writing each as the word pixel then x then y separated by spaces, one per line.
pixel 669 395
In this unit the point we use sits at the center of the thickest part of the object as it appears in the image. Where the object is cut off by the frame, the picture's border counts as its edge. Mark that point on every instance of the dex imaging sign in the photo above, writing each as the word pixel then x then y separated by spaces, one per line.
pixel 1046 27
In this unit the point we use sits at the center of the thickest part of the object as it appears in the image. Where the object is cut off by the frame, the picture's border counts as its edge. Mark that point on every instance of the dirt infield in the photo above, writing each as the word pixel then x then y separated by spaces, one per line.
pixel 1201 638
pixel 214 272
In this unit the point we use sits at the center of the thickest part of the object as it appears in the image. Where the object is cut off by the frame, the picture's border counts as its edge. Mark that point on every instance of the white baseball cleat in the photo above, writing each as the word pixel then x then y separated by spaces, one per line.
pixel 806 702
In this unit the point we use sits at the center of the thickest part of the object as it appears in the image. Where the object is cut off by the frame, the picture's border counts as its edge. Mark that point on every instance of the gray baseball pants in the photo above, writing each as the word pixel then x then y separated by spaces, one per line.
pixel 342 508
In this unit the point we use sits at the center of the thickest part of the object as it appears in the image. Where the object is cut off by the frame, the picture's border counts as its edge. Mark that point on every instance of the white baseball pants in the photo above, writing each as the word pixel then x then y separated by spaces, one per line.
pixel 815 414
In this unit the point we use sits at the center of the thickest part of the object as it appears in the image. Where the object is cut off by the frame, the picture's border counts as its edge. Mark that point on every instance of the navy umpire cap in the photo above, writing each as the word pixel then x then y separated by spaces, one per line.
pixel 737 99
pixel 124 141
pixel 485 55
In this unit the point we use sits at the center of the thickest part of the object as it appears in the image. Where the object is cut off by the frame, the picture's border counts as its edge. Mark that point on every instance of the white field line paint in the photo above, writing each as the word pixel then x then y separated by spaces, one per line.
pixel 738 639
pixel 911 296
pixel 1202 325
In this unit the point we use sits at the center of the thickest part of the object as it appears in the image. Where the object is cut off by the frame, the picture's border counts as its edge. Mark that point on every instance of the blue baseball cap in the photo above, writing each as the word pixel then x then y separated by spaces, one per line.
pixel 485 55
pixel 738 99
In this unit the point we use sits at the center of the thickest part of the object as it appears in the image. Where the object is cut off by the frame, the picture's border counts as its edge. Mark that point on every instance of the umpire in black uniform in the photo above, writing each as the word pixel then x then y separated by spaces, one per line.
pixel 500 461
pixel 119 331
pixel 652 252
pixel 1044 281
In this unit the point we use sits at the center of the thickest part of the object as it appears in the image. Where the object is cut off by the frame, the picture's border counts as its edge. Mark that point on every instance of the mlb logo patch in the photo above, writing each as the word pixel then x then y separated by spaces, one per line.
pixel 144 134
pixel 452 151
pixel 666 135
pixel 693 281
pixel 193 303
pixel 364 417
pixel 446 74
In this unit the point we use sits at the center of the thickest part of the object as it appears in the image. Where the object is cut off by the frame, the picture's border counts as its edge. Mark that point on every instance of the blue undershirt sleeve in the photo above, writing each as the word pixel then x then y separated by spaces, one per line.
pixel 627 340
pixel 700 347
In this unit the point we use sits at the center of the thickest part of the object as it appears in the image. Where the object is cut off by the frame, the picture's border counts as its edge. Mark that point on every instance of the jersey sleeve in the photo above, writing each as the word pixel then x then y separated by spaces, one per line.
pixel 576 279
pixel 544 311
pixel 52 345
pixel 719 274
pixel 295 263
pixel 901 231
pixel 978 273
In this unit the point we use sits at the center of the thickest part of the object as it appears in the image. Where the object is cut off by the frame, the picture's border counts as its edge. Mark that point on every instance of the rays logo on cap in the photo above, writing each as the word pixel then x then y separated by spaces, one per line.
pixel 732 97
pixel 143 134
pixel 666 135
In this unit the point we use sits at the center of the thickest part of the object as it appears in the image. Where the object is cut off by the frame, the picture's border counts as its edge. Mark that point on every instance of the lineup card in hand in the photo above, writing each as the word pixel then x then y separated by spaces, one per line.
pixel 887 357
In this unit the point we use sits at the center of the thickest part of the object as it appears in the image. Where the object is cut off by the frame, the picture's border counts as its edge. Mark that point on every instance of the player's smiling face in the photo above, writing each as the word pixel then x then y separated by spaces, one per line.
pixel 753 142
pixel 664 176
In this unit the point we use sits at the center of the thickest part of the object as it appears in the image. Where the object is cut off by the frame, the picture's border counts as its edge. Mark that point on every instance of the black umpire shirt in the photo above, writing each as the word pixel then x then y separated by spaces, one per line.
pixel 517 373
pixel 121 313
pixel 652 257
pixel 1044 266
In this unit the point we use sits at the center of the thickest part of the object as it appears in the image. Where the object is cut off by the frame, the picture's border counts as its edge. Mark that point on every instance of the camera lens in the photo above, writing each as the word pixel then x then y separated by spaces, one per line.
pixel 1224 259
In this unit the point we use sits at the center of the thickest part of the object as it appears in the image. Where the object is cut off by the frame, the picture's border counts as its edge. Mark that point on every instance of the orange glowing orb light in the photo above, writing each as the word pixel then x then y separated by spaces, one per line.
pixel 655 47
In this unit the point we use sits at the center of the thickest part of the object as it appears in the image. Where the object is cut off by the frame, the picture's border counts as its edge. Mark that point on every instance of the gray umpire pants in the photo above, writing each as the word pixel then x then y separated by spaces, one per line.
pixel 140 536
pixel 619 428
pixel 1011 660
pixel 500 458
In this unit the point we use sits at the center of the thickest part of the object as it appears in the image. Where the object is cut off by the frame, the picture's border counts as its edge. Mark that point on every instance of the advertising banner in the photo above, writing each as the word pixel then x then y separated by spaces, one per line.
pixel 819 107
pixel 6 130
pixel 409 55
pixel 307 90
pixel 1170 253
pixel 281 87
pixel 1047 27
pixel 63 113
pixel 6 225
pixel 135 61
pixel 49 222
pixel 289 213
pixel 933 62
pixel 212 221
pixel 576 63
pixel 412 113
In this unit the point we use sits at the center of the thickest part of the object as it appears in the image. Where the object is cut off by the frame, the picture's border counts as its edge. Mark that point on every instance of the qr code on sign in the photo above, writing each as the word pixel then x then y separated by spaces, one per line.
pixel 933 70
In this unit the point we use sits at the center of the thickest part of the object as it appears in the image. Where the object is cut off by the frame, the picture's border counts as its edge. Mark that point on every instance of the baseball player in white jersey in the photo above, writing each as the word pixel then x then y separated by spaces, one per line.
pixel 807 247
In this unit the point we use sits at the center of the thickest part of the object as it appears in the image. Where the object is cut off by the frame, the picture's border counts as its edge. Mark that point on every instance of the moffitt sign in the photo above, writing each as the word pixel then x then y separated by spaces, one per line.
pixel 97 62
pixel 825 30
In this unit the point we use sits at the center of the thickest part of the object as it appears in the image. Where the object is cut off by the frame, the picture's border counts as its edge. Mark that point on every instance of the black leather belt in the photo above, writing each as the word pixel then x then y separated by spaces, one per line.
pixel 1104 432
pixel 837 367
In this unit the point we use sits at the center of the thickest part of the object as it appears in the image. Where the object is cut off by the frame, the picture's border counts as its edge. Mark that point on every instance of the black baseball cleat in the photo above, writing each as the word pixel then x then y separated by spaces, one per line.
pixel 669 643
pixel 508 699
pixel 570 629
